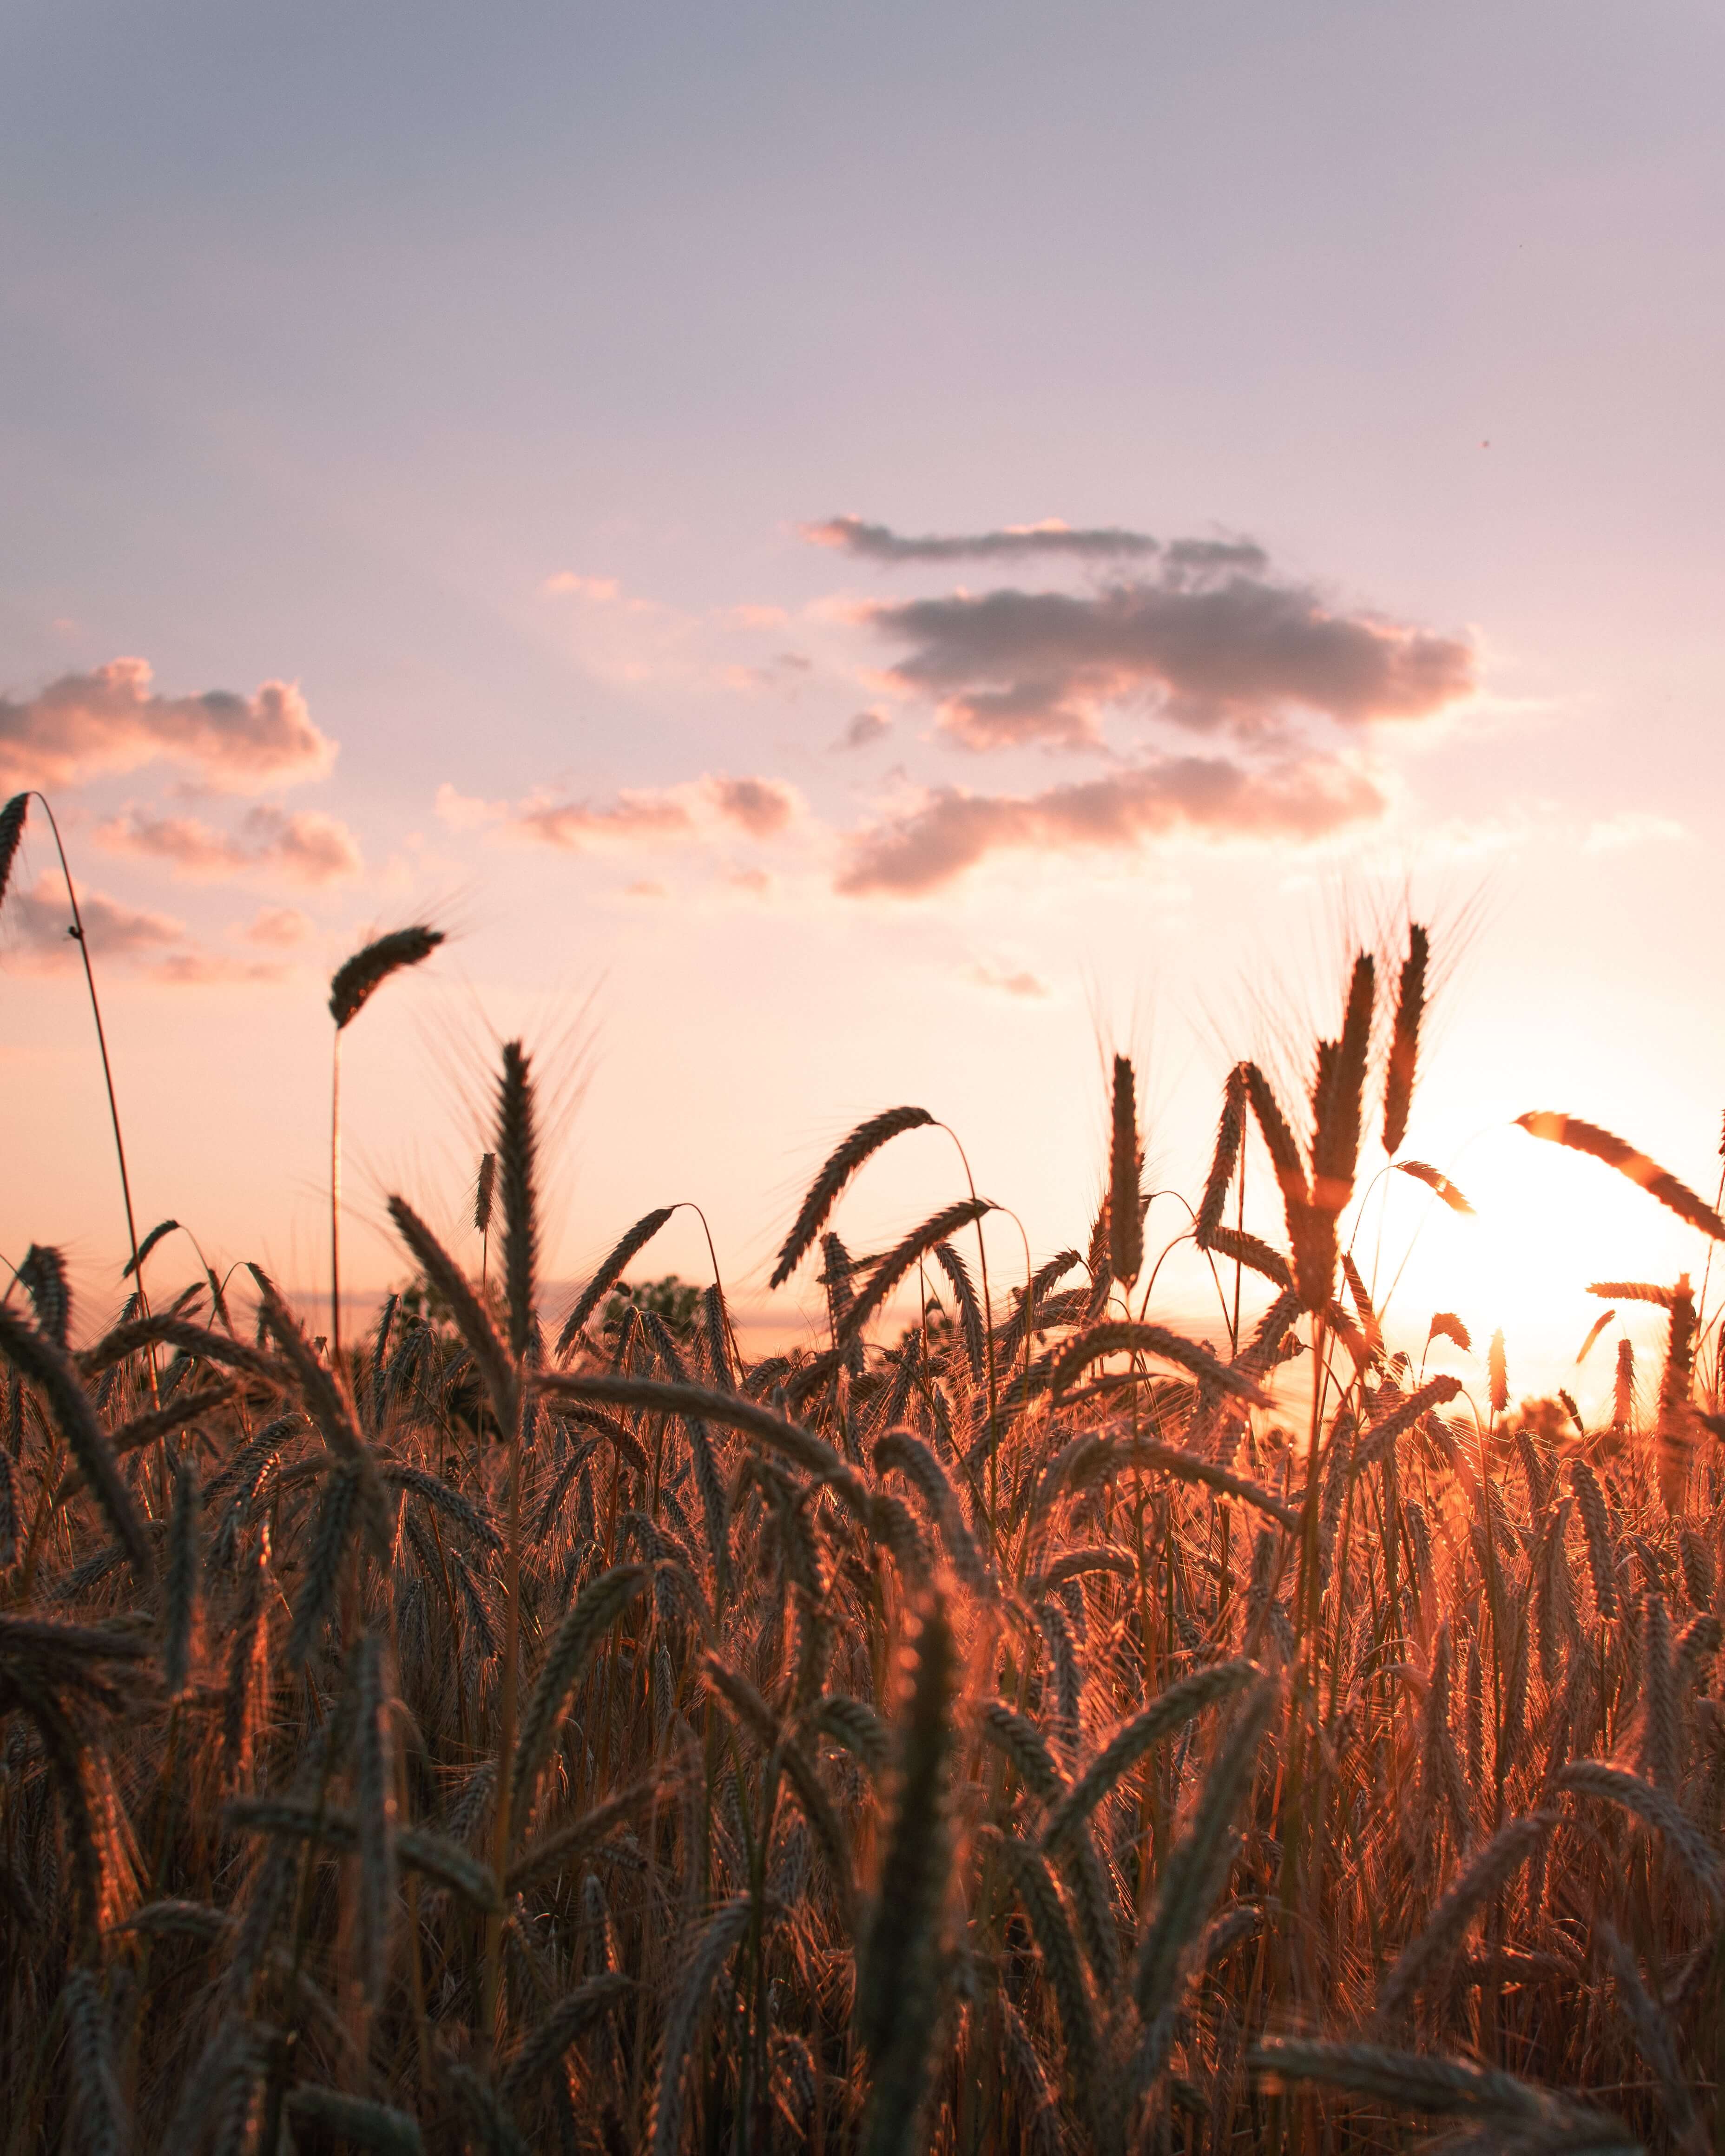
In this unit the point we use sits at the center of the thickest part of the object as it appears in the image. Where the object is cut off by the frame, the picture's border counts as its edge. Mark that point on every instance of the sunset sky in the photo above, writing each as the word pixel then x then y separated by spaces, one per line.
pixel 852 556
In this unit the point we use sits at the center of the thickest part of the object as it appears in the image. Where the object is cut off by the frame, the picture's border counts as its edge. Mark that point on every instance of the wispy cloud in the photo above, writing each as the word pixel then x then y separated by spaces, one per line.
pixel 950 831
pixel 85 726
pixel 212 969
pixel 1631 827
pixel 305 846
pixel 713 806
pixel 278 927
pixel 1008 980
pixel 879 542
pixel 567 583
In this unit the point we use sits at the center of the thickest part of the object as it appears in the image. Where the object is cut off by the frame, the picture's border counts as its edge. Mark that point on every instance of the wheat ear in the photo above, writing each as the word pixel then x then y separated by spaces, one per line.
pixel 723 1932
pixel 840 1165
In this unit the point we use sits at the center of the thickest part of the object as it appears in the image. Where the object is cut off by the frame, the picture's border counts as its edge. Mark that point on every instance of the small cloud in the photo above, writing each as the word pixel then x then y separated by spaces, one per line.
pixel 465 812
pixel 600 591
pixel 879 542
pixel 208 969
pixel 44 920
pixel 865 728
pixel 1009 984
pixel 758 617
pixel 646 887
pixel 278 927
pixel 635 814
pixel 761 807
pixel 754 882
pixel 86 726
pixel 1631 827
pixel 785 672
pixel 304 846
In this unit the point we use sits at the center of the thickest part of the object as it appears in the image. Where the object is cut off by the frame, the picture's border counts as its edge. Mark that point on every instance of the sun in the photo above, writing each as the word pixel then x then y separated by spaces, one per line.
pixel 1546 1225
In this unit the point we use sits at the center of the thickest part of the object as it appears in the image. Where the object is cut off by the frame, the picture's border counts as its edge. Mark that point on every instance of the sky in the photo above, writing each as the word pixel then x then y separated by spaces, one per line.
pixel 851 556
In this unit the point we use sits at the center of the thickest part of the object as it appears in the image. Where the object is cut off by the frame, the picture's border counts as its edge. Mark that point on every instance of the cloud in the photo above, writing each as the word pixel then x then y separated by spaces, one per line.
pixel 1631 827
pixel 1209 643
pixel 635 814
pixel 84 725
pixel 1007 981
pixel 603 591
pixel 278 927
pixel 760 807
pixel 466 812
pixel 785 672
pixel 865 728
pixel 646 887
pixel 304 846
pixel 952 830
pixel 879 542
pixel 209 969
pixel 42 920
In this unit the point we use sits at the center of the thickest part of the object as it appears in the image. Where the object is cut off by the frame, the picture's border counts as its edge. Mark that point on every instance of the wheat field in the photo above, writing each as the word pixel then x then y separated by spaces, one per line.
pixel 1017 1726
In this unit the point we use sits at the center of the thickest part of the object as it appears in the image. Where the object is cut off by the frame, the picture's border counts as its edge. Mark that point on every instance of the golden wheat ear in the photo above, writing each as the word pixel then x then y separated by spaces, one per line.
pixel 1600 1145
pixel 1126 1161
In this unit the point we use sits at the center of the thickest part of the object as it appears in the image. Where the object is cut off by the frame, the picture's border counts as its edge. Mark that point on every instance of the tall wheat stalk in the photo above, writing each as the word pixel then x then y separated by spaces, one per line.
pixel 354 983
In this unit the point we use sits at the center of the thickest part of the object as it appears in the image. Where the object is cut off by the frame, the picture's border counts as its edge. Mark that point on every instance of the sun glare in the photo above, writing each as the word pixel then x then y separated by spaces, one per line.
pixel 1547 1224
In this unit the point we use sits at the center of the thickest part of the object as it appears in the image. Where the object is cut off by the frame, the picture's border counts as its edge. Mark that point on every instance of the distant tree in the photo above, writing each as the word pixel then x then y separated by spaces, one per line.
pixel 420 1299
pixel 674 1300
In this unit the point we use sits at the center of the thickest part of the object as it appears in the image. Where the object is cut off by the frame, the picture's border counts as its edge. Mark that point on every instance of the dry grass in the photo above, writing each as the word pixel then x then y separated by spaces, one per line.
pixel 1003 1737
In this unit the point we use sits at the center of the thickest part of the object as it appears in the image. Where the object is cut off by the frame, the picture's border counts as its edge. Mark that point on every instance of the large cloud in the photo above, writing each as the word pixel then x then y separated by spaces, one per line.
pixel 303 846
pixel 951 830
pixel 879 542
pixel 1208 643
pixel 85 724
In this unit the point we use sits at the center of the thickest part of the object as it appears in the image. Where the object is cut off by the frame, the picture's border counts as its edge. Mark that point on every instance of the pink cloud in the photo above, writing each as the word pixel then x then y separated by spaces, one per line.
pixel 601 591
pixel 209 969
pixel 44 920
pixel 759 807
pixel 304 846
pixel 1008 981
pixel 952 830
pixel 633 816
pixel 278 927
pixel 1208 645
pixel 84 726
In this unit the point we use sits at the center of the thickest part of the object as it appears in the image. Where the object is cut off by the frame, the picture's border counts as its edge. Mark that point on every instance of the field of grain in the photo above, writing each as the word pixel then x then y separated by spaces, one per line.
pixel 514 1730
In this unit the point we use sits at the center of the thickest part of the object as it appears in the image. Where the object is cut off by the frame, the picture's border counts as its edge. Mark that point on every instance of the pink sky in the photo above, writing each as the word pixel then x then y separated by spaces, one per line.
pixel 851 561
